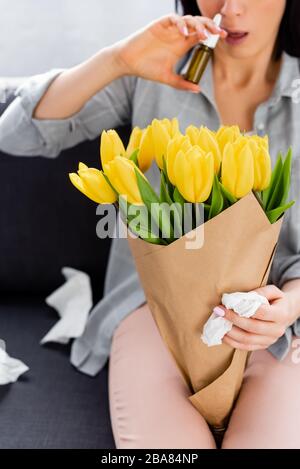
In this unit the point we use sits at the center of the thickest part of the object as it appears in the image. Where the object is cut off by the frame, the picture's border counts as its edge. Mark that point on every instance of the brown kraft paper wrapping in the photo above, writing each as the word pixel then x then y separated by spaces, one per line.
pixel 183 285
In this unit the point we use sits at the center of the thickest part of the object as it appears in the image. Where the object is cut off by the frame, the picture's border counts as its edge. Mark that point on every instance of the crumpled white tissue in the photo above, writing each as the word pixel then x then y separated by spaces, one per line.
pixel 73 301
pixel 245 304
pixel 10 368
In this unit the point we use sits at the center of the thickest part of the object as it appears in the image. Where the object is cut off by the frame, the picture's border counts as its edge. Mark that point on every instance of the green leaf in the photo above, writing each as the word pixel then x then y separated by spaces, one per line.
pixel 217 201
pixel 133 157
pixel 176 218
pixel 108 182
pixel 152 202
pixel 164 193
pixel 276 189
pixel 199 215
pixel 155 240
pixel 146 236
pixel 281 184
pixel 142 228
pixel 123 208
pixel 206 211
pixel 267 193
pixel 178 197
pixel 276 213
pixel 259 198
pixel 286 176
pixel 169 184
pixel 228 196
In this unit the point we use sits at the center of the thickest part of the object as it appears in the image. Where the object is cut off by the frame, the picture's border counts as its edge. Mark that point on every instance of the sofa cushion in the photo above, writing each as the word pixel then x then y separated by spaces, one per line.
pixel 52 405
pixel 46 223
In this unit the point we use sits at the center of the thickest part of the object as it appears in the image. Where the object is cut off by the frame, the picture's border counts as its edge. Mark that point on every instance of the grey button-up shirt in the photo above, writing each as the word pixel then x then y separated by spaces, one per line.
pixel 134 100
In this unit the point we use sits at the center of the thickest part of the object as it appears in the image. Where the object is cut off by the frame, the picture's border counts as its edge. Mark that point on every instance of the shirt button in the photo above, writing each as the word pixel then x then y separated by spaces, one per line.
pixel 261 126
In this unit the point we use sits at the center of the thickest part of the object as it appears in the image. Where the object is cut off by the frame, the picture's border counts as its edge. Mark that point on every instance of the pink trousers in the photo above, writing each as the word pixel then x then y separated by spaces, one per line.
pixel 149 404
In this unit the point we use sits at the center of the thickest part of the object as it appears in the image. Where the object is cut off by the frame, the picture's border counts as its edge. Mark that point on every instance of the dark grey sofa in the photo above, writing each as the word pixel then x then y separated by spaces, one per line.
pixel 46 224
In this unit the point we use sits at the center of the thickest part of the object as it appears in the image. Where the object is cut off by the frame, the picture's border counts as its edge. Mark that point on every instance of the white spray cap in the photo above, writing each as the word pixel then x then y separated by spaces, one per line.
pixel 212 39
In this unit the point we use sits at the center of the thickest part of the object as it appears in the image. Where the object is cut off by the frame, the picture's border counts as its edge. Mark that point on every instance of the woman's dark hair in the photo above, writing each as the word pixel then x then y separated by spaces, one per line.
pixel 288 38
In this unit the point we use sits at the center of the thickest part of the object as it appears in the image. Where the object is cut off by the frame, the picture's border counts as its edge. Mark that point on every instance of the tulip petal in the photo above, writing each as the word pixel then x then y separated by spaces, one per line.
pixel 134 141
pixel 193 133
pixel 82 187
pixel 111 146
pixel 209 143
pixel 146 152
pixel 161 139
pixel 227 134
pixel 229 169
pixel 184 177
pixel 173 148
pixel 121 173
pixel 245 179
pixel 94 181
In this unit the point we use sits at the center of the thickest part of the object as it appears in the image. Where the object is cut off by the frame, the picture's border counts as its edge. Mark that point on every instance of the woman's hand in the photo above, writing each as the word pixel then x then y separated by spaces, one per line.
pixel 265 326
pixel 152 52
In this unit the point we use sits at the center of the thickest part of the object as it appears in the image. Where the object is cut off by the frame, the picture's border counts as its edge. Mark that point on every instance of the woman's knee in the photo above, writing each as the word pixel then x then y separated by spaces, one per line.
pixel 267 411
pixel 142 312
pixel 148 397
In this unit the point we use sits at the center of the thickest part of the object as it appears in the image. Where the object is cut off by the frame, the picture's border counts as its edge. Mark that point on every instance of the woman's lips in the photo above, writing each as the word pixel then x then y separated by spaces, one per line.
pixel 235 37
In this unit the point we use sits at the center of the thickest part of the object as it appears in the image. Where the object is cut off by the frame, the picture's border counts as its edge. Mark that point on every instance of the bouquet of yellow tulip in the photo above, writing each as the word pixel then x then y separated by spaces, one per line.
pixel 224 176
pixel 214 169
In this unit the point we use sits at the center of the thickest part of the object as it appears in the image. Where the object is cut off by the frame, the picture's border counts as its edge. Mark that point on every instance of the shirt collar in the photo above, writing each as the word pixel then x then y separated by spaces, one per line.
pixel 289 72
pixel 285 85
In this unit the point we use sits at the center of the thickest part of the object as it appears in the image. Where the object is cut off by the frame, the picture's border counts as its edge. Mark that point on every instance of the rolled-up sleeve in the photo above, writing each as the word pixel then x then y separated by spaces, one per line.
pixel 23 135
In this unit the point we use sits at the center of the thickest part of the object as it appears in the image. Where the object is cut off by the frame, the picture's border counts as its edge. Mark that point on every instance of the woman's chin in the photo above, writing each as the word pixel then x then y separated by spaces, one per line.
pixel 238 52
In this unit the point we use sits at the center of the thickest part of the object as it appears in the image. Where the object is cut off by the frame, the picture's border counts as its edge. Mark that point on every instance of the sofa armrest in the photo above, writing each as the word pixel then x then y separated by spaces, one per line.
pixel 46 223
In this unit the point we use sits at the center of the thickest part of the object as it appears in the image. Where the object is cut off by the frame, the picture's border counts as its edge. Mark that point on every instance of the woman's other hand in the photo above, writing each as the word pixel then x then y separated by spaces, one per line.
pixel 266 325
pixel 152 52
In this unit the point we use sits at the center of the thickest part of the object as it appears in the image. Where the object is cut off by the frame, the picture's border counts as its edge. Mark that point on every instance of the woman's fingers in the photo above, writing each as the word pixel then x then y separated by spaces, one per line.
pixel 184 26
pixel 254 326
pixel 177 81
pixel 233 343
pixel 202 25
pixel 271 292
pixel 246 338
pixel 194 25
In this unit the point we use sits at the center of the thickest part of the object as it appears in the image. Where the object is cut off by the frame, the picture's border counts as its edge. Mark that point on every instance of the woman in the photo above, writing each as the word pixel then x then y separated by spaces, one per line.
pixel 251 82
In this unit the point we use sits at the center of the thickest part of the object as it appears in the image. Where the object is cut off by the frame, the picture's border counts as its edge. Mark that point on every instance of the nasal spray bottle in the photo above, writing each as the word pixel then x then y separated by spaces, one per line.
pixel 201 55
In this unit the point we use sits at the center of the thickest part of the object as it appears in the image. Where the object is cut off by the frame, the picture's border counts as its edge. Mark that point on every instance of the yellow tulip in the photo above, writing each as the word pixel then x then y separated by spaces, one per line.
pixel 134 141
pixel 237 170
pixel 111 146
pixel 261 141
pixel 141 139
pixel 227 134
pixel 193 133
pixel 161 138
pixel 162 132
pixel 121 174
pixel 146 151
pixel 262 162
pixel 180 142
pixel 212 132
pixel 92 183
pixel 207 141
pixel 172 126
pixel 194 174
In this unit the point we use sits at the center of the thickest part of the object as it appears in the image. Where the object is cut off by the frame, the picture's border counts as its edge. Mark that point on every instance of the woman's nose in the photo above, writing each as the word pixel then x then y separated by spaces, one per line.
pixel 232 8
